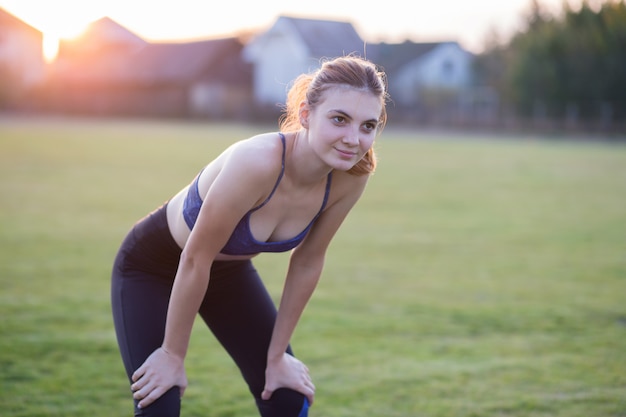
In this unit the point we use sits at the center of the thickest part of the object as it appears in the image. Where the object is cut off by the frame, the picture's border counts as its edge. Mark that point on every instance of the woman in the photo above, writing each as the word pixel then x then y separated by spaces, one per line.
pixel 269 193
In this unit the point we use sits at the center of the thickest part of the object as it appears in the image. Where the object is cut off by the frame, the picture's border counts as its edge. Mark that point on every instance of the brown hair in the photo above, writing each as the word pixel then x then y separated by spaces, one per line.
pixel 350 71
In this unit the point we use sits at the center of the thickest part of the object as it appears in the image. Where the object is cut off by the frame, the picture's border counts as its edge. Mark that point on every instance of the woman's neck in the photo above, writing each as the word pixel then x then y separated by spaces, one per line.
pixel 303 165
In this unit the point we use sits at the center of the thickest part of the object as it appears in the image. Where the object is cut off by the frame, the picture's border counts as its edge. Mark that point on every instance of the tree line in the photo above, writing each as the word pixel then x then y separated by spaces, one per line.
pixel 568 66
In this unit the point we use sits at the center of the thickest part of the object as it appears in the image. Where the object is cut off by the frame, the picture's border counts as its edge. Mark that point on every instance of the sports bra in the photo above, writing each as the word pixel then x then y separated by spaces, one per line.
pixel 242 242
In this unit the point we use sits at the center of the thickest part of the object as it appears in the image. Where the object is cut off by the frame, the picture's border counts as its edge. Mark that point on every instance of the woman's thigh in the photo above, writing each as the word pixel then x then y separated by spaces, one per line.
pixel 141 284
pixel 241 314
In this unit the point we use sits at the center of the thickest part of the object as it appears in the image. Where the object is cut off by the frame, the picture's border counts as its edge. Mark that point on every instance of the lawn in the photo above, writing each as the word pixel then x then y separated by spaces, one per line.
pixel 478 276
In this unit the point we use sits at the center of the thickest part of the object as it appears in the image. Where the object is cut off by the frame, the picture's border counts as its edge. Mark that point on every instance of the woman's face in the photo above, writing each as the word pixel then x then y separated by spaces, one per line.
pixel 343 125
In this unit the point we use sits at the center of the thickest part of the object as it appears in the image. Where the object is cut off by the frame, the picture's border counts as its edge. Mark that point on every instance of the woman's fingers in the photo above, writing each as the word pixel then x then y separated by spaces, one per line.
pixel 138 384
pixel 291 373
pixel 138 373
pixel 140 393
pixel 147 393
pixel 152 396
pixel 160 372
pixel 310 394
pixel 266 394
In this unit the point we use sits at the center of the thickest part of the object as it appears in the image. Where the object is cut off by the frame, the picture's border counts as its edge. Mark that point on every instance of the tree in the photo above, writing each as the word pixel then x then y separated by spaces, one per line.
pixel 571 63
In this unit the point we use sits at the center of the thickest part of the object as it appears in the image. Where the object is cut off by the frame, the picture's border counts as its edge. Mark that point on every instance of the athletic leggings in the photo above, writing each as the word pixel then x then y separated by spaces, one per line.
pixel 237 308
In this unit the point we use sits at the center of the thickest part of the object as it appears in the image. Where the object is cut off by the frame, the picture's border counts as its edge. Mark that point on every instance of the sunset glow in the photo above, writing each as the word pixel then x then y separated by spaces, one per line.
pixel 52 37
pixel 56 20
pixel 466 22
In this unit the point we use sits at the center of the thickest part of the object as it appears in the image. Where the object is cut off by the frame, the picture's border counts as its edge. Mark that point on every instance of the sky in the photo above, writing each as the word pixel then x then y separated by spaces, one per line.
pixel 468 22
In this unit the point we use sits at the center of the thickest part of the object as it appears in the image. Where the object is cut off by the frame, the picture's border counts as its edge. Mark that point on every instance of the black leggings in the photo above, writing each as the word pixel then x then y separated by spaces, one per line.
pixel 237 308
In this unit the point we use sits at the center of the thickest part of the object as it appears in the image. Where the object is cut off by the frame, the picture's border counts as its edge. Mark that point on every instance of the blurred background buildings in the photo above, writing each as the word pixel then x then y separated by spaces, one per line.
pixel 565 72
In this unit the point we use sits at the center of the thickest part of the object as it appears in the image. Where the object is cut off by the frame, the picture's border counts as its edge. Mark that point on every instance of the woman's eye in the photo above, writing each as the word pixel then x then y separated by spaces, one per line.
pixel 339 119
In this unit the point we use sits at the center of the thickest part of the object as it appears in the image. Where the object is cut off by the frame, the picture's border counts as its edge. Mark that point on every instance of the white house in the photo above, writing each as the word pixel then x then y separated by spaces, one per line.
pixel 293 46
pixel 415 68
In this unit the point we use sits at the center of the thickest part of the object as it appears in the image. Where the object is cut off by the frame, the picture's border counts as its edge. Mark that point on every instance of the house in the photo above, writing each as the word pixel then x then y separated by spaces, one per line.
pixel 419 70
pixel 110 70
pixel 420 75
pixel 102 37
pixel 22 64
pixel 292 46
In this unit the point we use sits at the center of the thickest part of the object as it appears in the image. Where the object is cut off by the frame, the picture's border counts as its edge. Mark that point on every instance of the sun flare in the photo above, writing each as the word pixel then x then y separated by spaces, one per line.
pixel 53 35
pixel 50 46
pixel 55 20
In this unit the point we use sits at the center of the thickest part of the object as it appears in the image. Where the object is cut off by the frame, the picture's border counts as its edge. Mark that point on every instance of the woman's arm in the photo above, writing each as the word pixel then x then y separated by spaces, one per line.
pixel 229 197
pixel 305 268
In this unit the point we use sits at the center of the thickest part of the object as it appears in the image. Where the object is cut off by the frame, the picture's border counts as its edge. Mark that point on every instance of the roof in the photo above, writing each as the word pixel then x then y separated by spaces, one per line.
pixel 107 52
pixel 8 20
pixel 326 38
pixel 394 56
pixel 109 31
pixel 179 62
pixel 102 39
pixel 162 63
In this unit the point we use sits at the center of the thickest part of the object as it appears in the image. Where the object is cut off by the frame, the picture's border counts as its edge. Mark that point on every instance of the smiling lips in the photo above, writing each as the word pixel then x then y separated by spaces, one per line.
pixel 345 154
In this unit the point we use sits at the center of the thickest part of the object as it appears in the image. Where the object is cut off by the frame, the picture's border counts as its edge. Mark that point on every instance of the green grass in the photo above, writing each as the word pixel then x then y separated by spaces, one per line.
pixel 476 277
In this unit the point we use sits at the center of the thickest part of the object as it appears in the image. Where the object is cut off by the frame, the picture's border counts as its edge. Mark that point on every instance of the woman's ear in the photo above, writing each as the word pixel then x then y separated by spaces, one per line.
pixel 304 112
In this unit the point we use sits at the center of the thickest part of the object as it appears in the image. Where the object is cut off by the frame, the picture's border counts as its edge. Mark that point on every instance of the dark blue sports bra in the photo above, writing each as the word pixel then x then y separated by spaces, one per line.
pixel 241 242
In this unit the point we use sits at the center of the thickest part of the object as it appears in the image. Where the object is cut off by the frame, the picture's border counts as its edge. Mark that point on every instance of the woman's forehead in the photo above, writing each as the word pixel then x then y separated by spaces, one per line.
pixel 352 100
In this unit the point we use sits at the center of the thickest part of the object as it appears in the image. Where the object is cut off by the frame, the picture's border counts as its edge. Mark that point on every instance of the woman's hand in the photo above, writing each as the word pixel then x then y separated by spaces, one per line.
pixel 288 372
pixel 160 372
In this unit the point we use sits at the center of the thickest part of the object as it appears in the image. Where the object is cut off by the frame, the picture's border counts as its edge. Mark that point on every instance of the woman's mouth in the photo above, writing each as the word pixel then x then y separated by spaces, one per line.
pixel 345 154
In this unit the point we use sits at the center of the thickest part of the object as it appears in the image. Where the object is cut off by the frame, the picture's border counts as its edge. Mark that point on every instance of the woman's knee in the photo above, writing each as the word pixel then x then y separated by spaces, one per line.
pixel 284 403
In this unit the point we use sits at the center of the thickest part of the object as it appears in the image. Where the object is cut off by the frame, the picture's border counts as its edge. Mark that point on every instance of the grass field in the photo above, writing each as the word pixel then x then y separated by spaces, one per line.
pixel 477 277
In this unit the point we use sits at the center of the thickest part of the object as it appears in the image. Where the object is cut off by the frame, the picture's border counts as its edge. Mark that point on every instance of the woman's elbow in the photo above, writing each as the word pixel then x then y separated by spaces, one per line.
pixel 193 266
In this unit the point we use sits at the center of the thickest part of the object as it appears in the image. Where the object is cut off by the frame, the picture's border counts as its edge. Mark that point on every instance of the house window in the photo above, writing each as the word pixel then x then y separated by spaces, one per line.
pixel 447 69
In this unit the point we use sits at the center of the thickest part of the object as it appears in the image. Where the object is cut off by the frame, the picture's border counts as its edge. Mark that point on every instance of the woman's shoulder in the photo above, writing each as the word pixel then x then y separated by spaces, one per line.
pixel 256 143
pixel 346 187
pixel 258 155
